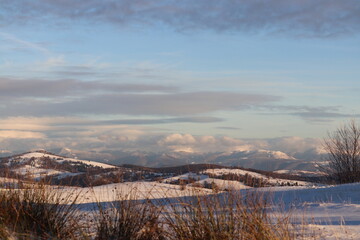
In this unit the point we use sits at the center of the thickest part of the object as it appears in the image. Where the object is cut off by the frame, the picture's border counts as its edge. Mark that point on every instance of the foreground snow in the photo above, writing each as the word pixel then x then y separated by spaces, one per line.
pixel 134 190
pixel 332 212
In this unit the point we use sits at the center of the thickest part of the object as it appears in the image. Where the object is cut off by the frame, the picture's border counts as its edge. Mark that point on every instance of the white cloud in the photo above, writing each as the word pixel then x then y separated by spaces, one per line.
pixel 178 139
pixel 294 144
pixel 207 139
pixel 189 143
pixel 54 61
pixel 86 134
pixel 21 134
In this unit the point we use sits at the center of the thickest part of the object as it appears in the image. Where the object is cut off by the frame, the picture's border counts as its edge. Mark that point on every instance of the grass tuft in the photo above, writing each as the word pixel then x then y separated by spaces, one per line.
pixel 37 212
pixel 128 218
pixel 226 217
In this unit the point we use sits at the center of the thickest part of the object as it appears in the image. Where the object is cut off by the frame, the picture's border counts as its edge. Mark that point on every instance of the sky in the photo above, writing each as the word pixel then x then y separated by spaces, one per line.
pixel 197 76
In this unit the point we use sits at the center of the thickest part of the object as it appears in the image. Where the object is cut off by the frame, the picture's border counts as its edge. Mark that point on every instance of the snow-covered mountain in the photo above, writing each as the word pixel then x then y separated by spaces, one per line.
pixel 258 159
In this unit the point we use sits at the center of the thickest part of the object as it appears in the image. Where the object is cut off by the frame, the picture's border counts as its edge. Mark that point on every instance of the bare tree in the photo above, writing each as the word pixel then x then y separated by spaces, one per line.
pixel 343 146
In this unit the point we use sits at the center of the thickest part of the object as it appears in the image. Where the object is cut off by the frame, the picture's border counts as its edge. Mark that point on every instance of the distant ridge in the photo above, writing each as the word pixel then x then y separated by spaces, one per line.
pixel 177 169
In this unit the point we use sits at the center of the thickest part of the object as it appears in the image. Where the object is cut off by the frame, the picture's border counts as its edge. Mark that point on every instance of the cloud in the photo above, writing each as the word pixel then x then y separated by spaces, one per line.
pixel 289 145
pixel 161 121
pixel 70 97
pixel 27 124
pixel 228 128
pixel 70 87
pixel 190 143
pixel 71 124
pixel 321 18
pixel 169 104
pixel 207 140
pixel 55 61
pixel 293 144
pixel 22 44
pixel 23 134
pixel 178 139
pixel 318 116
pixel 87 134
pixel 20 135
pixel 311 114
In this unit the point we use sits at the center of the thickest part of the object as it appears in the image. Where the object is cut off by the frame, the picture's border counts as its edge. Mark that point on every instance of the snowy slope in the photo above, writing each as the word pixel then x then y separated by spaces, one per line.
pixel 36 172
pixel 40 164
pixel 202 180
pixel 224 184
pixel 59 159
pixel 186 176
pixel 276 181
pixel 135 190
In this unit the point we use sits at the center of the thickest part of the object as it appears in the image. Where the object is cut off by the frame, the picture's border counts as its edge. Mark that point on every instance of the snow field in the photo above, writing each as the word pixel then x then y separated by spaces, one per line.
pixel 222 171
pixel 331 212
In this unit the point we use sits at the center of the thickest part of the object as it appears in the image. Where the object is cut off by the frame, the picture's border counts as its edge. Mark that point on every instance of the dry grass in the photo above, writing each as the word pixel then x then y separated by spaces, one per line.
pixel 226 217
pixel 37 212
pixel 129 219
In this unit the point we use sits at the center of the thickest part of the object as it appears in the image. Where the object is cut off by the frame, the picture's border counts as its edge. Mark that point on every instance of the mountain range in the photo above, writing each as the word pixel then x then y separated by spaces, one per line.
pixel 257 159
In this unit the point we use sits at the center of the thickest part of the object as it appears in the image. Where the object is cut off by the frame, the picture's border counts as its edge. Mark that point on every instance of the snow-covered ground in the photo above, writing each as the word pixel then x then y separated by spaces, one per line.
pixel 301 173
pixel 224 184
pixel 36 172
pixel 134 190
pixel 278 181
pixel 186 176
pixel 204 179
pixel 332 212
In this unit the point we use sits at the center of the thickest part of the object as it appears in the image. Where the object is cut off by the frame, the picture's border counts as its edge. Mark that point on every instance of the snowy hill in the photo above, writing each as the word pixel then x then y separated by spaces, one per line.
pixel 272 181
pixel 40 164
pixel 36 158
pixel 61 170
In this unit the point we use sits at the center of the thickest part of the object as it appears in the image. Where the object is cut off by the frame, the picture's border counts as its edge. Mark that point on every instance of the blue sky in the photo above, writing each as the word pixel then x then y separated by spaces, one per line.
pixel 176 75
